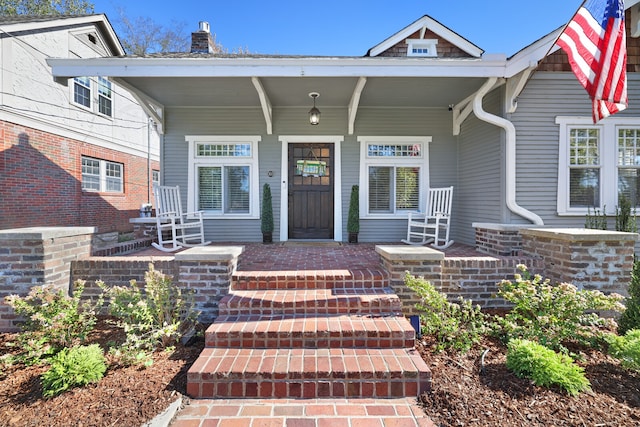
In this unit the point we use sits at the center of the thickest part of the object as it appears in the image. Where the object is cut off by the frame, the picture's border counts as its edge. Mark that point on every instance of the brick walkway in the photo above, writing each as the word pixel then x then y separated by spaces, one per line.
pixel 302 413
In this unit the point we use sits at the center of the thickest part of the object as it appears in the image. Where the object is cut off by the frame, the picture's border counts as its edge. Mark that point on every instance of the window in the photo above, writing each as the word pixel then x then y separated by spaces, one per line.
pixel 155 177
pixel 82 90
pixel 393 175
pixel 422 47
pixel 104 96
pixel 102 175
pixel 598 164
pixel 223 176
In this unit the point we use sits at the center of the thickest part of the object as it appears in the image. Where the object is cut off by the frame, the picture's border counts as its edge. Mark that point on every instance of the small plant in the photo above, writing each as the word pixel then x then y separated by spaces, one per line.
pixel 456 326
pixel 353 220
pixel 154 317
pixel 625 216
pixel 630 318
pixel 597 220
pixel 73 367
pixel 626 349
pixel 553 315
pixel 528 359
pixel 53 320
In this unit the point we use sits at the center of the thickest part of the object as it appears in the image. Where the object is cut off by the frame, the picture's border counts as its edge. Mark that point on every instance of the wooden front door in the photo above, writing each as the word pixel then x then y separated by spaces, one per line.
pixel 311 191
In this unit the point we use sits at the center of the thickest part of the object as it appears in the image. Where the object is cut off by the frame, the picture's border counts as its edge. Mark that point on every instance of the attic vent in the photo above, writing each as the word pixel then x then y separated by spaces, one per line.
pixel 92 38
pixel 422 47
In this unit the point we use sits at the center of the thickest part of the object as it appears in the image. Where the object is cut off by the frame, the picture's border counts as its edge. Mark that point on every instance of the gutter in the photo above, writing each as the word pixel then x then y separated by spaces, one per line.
pixel 510 150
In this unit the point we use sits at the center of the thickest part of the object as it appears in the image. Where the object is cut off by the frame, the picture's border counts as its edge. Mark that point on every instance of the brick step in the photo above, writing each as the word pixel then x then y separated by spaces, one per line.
pixel 307 373
pixel 312 301
pixel 291 331
pixel 309 279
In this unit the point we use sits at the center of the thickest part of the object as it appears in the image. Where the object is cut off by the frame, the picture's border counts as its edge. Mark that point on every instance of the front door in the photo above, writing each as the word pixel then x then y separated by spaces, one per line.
pixel 311 191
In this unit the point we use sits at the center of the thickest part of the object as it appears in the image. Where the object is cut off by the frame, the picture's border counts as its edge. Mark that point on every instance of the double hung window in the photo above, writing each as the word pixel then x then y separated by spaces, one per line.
pixel 94 94
pixel 224 176
pixel 102 175
pixel 393 175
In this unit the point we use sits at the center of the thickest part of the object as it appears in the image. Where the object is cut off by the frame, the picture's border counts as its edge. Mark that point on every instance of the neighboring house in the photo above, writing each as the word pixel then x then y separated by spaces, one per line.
pixel 424 108
pixel 73 152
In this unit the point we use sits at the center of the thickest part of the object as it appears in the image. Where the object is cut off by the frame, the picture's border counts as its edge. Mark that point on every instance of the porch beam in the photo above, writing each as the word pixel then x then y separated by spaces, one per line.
pixel 355 102
pixel 153 108
pixel 267 109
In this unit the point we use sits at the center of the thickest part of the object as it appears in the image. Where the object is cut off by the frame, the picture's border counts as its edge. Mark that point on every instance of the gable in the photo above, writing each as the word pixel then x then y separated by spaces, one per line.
pixel 85 41
pixel 429 33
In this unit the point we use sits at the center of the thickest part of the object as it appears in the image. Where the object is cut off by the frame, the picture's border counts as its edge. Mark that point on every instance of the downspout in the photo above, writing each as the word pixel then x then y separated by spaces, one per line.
pixel 510 151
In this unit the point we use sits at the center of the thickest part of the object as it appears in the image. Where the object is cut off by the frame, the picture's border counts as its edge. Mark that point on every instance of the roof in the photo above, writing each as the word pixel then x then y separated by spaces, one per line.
pixel 20 23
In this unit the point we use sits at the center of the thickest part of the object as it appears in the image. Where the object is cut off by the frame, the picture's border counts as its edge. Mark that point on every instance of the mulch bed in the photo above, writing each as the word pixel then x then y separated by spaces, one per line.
pixel 461 395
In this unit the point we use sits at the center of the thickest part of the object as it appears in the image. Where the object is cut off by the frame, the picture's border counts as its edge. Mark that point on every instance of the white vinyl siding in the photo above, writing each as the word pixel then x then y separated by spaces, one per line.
pixel 224 173
pixel 393 175
pixel 597 164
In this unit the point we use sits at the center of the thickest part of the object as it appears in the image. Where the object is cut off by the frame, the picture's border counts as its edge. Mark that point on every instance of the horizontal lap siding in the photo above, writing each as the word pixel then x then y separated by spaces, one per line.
pixel 436 123
pixel 480 169
pixel 547 96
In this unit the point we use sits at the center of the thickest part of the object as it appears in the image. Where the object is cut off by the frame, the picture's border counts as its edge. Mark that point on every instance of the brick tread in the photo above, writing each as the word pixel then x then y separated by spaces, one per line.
pixel 295 331
pixel 309 279
pixel 277 373
pixel 310 301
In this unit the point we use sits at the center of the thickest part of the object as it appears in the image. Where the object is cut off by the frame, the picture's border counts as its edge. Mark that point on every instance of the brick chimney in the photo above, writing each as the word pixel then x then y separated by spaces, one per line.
pixel 202 41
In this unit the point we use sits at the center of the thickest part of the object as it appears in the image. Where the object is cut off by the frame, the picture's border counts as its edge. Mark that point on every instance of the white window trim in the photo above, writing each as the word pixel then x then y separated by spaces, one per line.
pixel 608 160
pixel 430 44
pixel 252 162
pixel 365 162
pixel 94 102
pixel 103 176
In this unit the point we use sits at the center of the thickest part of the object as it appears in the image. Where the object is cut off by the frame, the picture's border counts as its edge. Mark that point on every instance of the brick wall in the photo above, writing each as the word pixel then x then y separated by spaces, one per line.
pixel 590 259
pixel 498 239
pixel 37 256
pixel 27 200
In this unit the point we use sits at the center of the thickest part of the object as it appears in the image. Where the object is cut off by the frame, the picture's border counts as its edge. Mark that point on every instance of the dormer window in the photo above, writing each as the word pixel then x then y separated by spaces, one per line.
pixel 422 47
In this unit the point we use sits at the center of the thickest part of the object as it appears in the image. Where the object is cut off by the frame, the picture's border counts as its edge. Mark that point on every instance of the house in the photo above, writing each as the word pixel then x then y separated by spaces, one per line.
pixel 424 108
pixel 74 152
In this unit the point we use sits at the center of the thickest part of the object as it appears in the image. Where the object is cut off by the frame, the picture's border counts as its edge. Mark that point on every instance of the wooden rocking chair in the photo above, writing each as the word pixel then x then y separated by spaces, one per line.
pixel 432 227
pixel 176 228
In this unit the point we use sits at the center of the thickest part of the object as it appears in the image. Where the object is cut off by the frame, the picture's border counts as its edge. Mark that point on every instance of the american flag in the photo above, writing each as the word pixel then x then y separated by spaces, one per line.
pixel 595 42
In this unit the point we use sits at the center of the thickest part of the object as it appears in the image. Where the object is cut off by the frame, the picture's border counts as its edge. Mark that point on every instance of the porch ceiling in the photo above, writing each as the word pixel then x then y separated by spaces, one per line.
pixel 293 91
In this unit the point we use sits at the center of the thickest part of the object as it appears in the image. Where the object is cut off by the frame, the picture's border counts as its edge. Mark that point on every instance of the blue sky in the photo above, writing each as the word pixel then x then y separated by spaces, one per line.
pixel 349 27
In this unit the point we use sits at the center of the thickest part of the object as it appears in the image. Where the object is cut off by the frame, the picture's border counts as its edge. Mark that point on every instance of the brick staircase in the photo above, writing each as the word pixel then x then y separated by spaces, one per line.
pixel 309 334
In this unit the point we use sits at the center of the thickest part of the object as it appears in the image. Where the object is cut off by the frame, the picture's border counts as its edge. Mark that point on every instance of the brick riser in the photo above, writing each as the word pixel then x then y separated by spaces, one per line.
pixel 309 334
pixel 313 301
pixel 306 373
pixel 322 279
pixel 341 331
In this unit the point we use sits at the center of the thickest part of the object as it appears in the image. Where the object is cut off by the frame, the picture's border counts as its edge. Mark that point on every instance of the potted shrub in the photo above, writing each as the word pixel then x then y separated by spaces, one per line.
pixel 353 221
pixel 266 218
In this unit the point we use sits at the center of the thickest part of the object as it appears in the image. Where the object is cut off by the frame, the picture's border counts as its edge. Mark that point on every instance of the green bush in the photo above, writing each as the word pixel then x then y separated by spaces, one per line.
pixel 528 359
pixel 630 318
pixel 626 349
pixel 353 220
pixel 74 367
pixel 266 218
pixel 154 317
pixel 625 216
pixel 53 320
pixel 553 315
pixel 455 326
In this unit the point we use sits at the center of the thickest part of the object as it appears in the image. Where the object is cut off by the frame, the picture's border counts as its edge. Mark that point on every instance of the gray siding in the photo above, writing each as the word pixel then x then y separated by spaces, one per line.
pixel 293 121
pixel 547 96
pixel 480 193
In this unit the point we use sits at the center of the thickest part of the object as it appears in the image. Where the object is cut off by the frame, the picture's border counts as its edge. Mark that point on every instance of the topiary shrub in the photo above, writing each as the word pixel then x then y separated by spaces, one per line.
pixel 528 359
pixel 73 367
pixel 353 220
pixel 266 217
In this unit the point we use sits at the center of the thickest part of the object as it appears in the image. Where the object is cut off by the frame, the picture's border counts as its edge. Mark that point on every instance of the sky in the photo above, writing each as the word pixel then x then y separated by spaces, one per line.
pixel 348 27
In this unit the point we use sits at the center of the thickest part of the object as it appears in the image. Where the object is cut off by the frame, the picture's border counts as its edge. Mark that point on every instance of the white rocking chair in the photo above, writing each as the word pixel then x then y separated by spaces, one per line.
pixel 176 228
pixel 432 227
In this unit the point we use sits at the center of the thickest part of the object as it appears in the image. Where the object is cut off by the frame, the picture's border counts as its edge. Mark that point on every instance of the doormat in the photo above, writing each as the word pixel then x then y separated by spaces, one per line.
pixel 298 243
